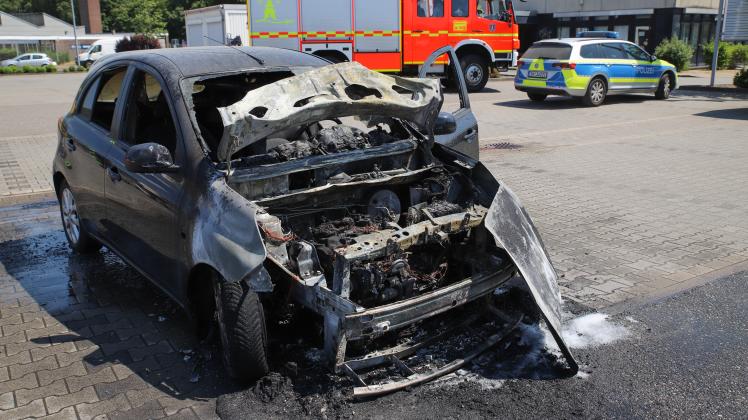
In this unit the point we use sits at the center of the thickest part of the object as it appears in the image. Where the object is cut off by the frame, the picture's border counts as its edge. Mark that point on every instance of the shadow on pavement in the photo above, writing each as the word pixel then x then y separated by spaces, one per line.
pixel 560 102
pixel 109 315
pixel 730 114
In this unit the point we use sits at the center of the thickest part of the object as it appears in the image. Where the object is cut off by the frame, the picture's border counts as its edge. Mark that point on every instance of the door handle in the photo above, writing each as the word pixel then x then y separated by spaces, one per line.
pixel 70 144
pixel 470 135
pixel 114 174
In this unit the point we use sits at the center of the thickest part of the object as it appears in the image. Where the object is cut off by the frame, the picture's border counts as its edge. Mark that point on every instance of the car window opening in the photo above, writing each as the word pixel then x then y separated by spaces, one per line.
pixel 148 117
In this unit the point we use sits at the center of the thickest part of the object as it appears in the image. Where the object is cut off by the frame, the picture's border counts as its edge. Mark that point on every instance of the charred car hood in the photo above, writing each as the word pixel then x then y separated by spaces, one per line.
pixel 333 91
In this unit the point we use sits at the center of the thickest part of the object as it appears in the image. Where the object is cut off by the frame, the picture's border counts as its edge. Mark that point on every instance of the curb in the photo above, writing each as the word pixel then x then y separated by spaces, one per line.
pixel 12 200
pixel 715 89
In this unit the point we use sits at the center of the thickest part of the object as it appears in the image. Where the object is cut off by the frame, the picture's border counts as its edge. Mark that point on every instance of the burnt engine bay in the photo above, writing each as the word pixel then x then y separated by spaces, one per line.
pixel 373 215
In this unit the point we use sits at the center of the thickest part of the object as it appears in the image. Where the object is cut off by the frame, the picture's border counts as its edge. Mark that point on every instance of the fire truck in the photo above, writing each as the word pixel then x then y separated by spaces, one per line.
pixel 392 35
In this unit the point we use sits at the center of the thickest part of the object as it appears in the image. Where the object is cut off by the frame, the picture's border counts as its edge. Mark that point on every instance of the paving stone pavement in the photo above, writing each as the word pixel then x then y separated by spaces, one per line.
pixel 26 164
pixel 627 207
pixel 88 337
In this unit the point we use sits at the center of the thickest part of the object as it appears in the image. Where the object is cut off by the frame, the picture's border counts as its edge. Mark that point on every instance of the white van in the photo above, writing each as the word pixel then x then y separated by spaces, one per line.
pixel 100 48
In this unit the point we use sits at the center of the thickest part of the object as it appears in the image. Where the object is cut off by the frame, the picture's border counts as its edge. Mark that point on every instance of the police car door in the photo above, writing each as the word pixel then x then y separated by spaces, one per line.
pixel 459 129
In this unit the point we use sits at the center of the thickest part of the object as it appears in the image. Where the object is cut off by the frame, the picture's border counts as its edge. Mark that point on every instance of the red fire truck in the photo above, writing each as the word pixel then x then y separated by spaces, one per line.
pixel 392 35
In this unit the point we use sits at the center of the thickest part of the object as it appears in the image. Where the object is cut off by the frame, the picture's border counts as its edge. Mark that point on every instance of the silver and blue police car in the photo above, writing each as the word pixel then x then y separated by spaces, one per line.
pixel 590 67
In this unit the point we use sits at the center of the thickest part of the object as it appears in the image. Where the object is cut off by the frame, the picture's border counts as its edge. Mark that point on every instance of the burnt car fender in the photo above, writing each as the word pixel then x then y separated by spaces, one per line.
pixel 226 237
pixel 513 230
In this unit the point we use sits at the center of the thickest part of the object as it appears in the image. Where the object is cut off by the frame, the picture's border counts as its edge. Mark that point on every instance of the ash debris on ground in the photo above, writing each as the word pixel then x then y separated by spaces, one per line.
pixel 299 384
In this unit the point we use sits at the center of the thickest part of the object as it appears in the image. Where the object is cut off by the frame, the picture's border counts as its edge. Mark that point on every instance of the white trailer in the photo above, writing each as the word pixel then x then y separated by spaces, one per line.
pixel 216 25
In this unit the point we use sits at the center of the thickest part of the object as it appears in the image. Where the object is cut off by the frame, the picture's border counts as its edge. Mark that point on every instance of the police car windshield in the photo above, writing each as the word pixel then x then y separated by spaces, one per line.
pixel 549 51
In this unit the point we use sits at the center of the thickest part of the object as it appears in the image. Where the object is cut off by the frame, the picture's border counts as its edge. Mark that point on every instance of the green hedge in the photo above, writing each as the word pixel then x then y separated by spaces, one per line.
pixel 6 53
pixel 741 78
pixel 676 52
pixel 730 56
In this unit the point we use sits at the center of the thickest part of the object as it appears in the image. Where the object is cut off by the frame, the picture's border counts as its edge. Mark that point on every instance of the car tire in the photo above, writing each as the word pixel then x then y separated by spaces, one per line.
pixel 241 321
pixel 475 70
pixel 596 92
pixel 537 97
pixel 665 87
pixel 78 238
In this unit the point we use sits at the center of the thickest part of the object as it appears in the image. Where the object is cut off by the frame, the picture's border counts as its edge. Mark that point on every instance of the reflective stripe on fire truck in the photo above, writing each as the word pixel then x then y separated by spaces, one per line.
pixel 374 33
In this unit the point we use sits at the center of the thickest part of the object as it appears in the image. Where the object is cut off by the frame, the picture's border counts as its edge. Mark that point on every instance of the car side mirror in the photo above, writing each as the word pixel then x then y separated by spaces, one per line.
pixel 652 58
pixel 445 124
pixel 149 157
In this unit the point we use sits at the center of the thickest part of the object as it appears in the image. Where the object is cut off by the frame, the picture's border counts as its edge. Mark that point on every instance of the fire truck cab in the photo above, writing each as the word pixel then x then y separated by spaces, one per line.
pixel 392 35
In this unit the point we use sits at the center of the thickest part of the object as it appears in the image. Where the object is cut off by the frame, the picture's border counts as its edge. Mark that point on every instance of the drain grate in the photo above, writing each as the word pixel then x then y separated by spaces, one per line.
pixel 504 145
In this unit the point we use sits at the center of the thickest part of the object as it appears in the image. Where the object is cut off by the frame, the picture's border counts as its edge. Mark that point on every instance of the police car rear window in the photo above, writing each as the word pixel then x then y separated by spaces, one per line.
pixel 548 50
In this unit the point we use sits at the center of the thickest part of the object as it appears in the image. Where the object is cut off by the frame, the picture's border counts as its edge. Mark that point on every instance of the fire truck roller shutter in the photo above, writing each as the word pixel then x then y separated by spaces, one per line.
pixel 326 20
pixel 274 23
pixel 377 26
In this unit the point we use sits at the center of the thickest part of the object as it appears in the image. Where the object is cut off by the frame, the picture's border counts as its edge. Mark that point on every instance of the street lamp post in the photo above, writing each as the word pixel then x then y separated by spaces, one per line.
pixel 75 34
pixel 717 36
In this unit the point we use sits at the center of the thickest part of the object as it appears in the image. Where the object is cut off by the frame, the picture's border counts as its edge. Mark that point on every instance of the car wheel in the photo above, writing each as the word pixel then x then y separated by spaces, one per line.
pixel 241 322
pixel 596 92
pixel 78 239
pixel 537 97
pixel 475 70
pixel 665 87
pixel 87 64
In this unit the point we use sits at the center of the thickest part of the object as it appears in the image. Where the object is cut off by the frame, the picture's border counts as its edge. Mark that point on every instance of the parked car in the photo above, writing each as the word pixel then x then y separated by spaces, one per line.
pixel 29 59
pixel 592 68
pixel 99 49
pixel 236 181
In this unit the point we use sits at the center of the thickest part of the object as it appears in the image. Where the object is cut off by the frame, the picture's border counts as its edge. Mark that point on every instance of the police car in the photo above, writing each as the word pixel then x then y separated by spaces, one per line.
pixel 590 67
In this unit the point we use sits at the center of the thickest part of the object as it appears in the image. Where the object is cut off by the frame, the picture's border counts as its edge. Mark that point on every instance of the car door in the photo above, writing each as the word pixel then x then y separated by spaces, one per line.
pixel 85 140
pixel 621 68
pixel 24 60
pixel 37 60
pixel 646 73
pixel 465 137
pixel 143 208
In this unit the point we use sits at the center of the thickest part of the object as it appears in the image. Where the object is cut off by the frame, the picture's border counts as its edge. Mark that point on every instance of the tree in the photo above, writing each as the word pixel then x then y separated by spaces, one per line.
pixel 140 16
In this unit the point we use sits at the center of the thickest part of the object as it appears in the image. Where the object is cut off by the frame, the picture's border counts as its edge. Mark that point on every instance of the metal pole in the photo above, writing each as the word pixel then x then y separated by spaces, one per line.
pixel 717 36
pixel 75 35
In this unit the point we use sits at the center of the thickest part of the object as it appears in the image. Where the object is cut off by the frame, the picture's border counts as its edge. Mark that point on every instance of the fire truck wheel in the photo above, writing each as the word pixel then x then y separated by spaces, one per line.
pixel 475 69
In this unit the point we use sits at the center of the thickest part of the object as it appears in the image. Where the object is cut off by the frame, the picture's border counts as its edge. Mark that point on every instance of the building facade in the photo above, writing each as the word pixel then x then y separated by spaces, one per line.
pixel 645 22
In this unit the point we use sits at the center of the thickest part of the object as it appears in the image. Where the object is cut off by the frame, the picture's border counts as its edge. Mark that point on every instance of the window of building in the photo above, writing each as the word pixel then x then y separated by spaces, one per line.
pixel 563 31
pixel 431 8
pixel 460 8
pixel 623 31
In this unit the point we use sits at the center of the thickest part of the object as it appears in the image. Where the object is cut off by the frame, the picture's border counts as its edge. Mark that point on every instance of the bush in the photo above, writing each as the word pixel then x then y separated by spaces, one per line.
pixel 137 42
pixel 59 57
pixel 723 55
pixel 27 69
pixel 739 55
pixel 4 70
pixel 741 78
pixel 6 53
pixel 676 52
pixel 51 69
pixel 72 68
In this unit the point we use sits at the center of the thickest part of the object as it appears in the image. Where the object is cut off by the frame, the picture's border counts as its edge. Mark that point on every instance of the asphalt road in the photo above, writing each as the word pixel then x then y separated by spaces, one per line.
pixel 684 357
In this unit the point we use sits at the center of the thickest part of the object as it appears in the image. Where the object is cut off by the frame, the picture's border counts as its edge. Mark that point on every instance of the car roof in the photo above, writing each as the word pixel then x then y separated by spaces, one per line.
pixel 580 41
pixel 196 61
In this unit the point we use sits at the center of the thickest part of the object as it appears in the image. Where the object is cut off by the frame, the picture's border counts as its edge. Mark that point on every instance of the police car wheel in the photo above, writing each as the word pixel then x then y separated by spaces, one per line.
pixel 664 88
pixel 476 73
pixel 537 97
pixel 596 92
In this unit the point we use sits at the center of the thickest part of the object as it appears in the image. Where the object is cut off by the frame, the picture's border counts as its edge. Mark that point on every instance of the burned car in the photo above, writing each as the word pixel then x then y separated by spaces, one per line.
pixel 240 179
